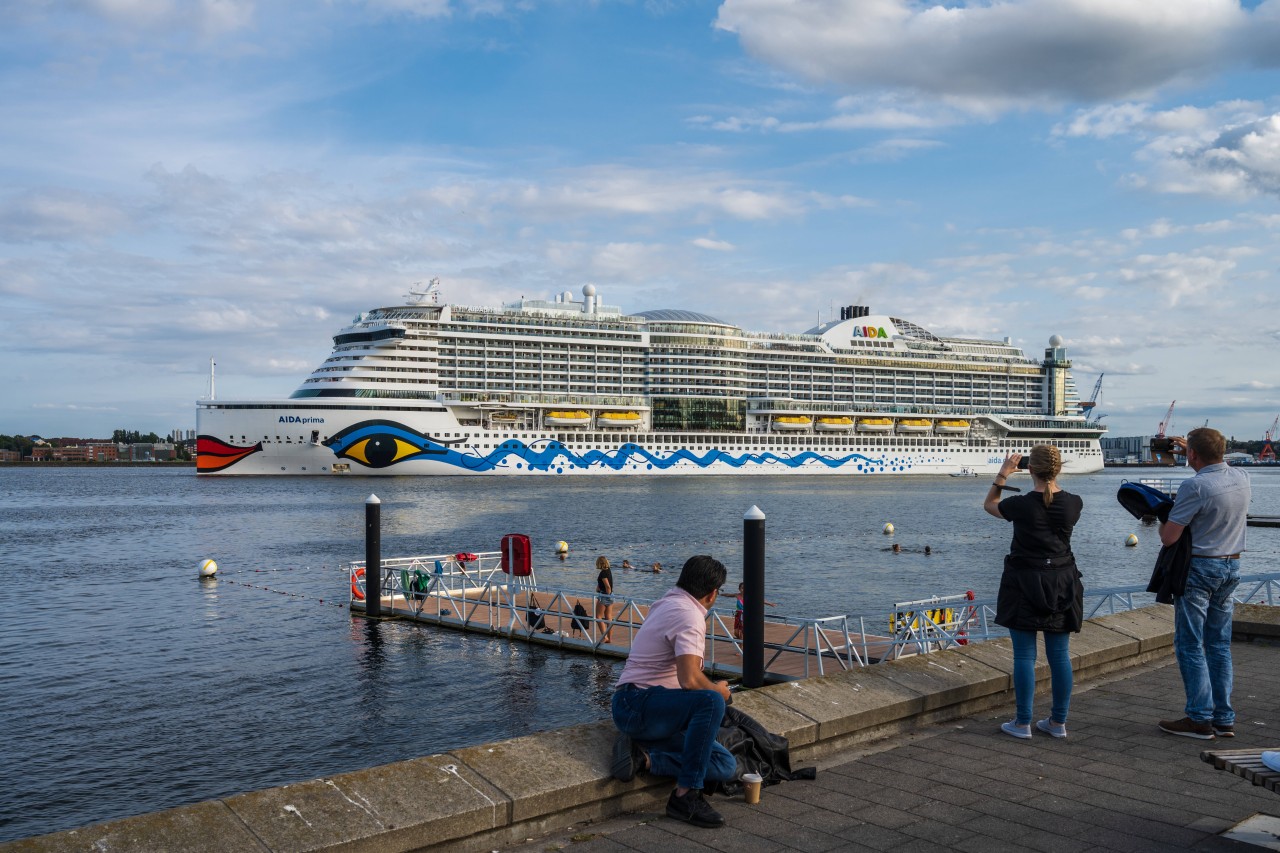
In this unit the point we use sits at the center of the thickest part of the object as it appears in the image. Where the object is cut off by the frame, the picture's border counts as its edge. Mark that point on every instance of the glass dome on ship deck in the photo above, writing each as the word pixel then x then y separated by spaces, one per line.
pixel 675 315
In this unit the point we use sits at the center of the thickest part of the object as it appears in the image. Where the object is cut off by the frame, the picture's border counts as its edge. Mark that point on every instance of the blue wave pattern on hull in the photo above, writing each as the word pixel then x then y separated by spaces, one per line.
pixel 380 444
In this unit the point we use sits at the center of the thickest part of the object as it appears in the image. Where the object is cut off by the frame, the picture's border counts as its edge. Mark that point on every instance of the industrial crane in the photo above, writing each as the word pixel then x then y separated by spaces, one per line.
pixel 1089 404
pixel 1268 453
pixel 1168 419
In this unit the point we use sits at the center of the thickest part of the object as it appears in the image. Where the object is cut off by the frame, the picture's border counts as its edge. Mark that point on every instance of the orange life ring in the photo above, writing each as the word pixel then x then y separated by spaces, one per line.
pixel 356 592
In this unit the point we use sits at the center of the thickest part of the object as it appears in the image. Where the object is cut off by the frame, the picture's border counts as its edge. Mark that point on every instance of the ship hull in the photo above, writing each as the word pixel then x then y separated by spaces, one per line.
pixel 292 438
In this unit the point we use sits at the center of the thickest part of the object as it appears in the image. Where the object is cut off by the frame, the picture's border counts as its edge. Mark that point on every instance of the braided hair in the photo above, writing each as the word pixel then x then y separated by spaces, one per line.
pixel 1046 463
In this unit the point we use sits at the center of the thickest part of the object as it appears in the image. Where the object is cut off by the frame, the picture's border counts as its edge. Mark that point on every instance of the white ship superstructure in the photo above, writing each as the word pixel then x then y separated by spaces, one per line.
pixel 577 387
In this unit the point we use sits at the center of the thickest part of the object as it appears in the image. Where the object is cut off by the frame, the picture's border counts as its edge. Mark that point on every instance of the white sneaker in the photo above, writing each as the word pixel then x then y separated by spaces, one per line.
pixel 1051 728
pixel 1012 728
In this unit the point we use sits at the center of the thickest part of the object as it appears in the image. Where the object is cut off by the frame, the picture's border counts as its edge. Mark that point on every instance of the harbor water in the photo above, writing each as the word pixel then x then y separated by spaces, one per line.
pixel 127 685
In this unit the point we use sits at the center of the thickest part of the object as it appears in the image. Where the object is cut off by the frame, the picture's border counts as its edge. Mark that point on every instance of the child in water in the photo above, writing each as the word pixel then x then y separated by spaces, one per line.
pixel 738 610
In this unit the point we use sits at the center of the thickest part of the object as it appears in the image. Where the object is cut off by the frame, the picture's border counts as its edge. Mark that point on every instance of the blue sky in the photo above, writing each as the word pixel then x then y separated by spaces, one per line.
pixel 186 179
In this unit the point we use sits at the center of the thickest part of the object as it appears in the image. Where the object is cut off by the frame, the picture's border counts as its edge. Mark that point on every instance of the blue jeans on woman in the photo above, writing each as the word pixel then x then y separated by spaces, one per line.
pixel 1057 649
pixel 678 730
pixel 1202 638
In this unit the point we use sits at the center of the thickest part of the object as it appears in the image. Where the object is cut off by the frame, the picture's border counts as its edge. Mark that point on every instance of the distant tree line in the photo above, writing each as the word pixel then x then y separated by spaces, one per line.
pixel 132 436
pixel 20 443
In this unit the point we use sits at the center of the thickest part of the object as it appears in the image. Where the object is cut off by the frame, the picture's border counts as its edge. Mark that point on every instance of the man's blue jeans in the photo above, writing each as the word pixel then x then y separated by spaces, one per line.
pixel 1057 651
pixel 1202 638
pixel 678 730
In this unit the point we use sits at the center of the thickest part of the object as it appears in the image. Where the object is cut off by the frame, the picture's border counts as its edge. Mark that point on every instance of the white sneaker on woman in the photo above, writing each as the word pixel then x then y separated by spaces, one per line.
pixel 1049 727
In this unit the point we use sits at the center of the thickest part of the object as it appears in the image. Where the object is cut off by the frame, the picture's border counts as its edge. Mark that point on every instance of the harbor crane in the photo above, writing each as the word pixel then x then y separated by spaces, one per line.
pixel 1088 405
pixel 1268 453
pixel 1168 419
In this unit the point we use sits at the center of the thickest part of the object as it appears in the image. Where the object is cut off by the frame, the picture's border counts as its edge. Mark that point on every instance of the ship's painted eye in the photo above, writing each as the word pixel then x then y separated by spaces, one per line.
pixel 380 450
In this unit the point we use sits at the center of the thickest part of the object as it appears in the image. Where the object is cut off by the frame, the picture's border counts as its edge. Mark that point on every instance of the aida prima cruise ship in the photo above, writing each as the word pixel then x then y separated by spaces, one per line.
pixel 577 387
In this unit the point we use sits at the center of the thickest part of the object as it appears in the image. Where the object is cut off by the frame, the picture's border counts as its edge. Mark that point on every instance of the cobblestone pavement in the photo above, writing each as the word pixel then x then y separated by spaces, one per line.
pixel 1116 783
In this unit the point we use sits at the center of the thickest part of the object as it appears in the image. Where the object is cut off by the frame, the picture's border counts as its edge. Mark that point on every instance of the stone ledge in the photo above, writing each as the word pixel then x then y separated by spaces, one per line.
pixel 1255 621
pixel 503 792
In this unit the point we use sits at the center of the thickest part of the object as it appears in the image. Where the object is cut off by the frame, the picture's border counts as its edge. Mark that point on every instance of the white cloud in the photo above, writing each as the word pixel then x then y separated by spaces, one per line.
pixel 712 245
pixel 982 56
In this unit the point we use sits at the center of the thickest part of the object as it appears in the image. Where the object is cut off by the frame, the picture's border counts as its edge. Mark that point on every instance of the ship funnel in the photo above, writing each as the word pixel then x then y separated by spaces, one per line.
pixel 853 312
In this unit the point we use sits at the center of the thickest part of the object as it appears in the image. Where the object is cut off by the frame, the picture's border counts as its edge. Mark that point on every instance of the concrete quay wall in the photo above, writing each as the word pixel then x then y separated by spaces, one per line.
pixel 485 796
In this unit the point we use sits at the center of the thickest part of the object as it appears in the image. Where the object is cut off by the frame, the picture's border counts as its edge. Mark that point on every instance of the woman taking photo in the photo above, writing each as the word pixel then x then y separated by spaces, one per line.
pixel 1040 590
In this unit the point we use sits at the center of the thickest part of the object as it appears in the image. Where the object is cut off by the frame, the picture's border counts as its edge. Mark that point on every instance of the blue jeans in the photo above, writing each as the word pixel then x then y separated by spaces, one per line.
pixel 1202 638
pixel 678 730
pixel 1057 650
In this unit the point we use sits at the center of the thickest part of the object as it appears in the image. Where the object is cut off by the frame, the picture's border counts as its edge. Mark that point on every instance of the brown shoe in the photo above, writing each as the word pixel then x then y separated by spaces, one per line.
pixel 1224 729
pixel 1187 727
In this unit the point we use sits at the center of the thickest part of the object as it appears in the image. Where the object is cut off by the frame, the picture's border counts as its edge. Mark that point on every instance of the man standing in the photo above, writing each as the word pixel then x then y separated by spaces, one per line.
pixel 666 708
pixel 1214 504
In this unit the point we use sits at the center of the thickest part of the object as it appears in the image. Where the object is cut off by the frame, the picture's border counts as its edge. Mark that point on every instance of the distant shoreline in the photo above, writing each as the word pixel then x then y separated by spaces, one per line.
pixel 80 463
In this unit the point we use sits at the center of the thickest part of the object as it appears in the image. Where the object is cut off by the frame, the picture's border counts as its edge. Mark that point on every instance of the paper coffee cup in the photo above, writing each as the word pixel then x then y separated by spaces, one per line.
pixel 751 783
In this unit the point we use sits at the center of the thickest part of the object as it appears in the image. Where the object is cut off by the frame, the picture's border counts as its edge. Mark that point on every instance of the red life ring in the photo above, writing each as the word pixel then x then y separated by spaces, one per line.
pixel 464 558
pixel 356 580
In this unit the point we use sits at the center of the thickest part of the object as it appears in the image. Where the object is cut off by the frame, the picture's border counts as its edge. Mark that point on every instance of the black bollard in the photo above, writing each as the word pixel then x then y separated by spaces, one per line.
pixel 753 598
pixel 373 556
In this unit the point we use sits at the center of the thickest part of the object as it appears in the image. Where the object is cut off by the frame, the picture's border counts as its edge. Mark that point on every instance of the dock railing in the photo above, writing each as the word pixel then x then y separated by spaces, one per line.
pixel 476 595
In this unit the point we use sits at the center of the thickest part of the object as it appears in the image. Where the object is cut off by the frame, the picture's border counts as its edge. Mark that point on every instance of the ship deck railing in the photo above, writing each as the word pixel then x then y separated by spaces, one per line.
pixel 477 596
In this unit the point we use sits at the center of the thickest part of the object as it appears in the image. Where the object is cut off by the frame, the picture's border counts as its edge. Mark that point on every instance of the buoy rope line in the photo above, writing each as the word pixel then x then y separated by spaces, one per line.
pixel 265 571
pixel 326 602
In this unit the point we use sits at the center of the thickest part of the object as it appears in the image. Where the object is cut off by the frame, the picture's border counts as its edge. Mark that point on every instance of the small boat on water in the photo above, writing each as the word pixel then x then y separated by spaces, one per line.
pixel 834 424
pixel 619 419
pixel 965 472
pixel 578 418
pixel 875 424
pixel 915 425
pixel 792 422
pixel 952 427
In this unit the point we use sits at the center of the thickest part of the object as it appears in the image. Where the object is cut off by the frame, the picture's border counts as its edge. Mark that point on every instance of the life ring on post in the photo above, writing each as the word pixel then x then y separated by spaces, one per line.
pixel 357 585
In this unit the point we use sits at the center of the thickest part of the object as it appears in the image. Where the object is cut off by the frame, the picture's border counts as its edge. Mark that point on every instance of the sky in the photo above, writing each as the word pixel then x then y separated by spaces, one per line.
pixel 187 180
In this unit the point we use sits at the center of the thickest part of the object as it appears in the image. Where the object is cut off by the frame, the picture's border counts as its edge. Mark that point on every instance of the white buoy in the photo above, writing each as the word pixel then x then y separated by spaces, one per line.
pixel 208 568
pixel 562 547
pixel 1131 540
pixel 888 530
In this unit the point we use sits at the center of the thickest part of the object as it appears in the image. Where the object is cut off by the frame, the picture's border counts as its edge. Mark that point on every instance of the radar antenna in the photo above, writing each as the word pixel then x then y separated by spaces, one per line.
pixel 418 294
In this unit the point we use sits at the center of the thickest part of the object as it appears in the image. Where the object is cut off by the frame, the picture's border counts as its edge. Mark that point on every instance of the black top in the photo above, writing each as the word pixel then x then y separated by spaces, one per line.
pixel 1040 531
pixel 600 579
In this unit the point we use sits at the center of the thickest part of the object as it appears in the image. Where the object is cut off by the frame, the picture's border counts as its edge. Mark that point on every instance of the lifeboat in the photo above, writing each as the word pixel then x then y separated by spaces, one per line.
pixel 792 422
pixel 875 424
pixel 504 417
pixel 952 427
pixel 915 425
pixel 835 424
pixel 619 419
pixel 578 418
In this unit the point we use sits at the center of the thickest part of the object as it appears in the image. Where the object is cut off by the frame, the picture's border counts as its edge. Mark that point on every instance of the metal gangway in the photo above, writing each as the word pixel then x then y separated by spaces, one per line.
pixel 474 594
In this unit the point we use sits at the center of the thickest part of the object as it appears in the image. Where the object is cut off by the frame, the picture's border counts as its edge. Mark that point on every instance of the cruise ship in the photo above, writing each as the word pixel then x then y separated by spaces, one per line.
pixel 575 387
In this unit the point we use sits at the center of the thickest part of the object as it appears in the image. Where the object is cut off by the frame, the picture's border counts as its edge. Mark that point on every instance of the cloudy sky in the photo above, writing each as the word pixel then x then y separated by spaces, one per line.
pixel 187 179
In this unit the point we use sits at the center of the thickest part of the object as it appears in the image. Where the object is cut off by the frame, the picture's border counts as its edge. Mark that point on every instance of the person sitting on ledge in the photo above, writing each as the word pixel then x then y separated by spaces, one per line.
pixel 665 707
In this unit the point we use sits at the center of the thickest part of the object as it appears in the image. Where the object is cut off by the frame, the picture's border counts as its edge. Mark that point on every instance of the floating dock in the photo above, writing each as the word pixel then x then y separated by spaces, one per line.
pixel 474 595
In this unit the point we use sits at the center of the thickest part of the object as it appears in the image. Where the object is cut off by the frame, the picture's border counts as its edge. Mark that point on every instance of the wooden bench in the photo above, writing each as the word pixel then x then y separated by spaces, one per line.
pixel 1246 763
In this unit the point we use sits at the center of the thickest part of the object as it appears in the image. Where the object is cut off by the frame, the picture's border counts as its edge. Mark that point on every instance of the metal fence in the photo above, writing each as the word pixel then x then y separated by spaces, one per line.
pixel 475 594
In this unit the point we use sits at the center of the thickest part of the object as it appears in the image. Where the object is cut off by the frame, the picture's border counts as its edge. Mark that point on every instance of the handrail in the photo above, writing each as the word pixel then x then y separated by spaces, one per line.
pixel 454 594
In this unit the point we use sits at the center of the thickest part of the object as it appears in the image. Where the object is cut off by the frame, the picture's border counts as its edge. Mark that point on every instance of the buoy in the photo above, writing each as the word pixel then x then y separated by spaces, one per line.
pixel 888 530
pixel 562 547
pixel 1132 540
pixel 208 568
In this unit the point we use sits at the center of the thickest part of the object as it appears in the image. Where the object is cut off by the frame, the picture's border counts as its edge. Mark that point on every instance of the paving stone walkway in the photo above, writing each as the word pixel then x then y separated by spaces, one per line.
pixel 1116 783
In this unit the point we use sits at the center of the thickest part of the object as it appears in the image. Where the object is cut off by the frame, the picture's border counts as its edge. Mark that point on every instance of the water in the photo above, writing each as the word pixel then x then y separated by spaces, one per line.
pixel 128 686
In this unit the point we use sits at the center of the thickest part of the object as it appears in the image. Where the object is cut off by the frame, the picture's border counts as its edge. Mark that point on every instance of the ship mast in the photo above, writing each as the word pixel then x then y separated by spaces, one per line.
pixel 212 389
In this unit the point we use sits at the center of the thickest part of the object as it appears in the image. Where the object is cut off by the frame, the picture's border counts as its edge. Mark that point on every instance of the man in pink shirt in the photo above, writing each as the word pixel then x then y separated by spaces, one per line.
pixel 666 708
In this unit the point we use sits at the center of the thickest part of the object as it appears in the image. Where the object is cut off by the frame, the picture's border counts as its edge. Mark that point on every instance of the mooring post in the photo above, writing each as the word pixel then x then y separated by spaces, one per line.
pixel 373 556
pixel 753 598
